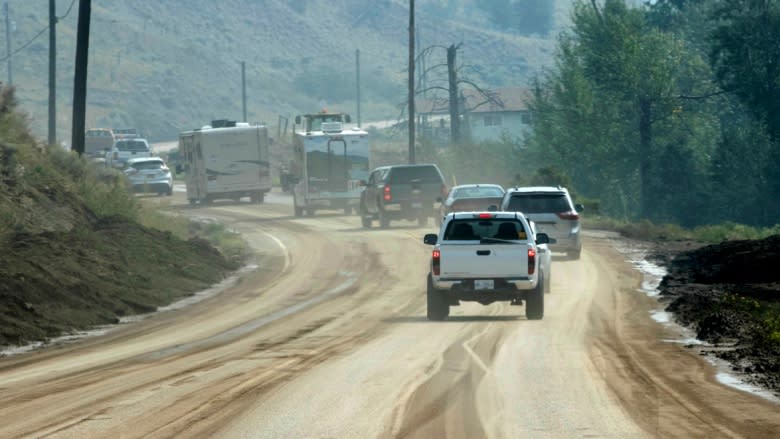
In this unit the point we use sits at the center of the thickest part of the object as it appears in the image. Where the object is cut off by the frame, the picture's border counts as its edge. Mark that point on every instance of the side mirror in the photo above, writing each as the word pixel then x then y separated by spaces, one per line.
pixel 542 238
pixel 579 207
pixel 431 239
pixel 297 120
pixel 347 119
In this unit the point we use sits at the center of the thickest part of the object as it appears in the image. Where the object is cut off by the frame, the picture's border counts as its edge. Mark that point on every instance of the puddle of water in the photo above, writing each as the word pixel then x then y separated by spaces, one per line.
pixel 661 316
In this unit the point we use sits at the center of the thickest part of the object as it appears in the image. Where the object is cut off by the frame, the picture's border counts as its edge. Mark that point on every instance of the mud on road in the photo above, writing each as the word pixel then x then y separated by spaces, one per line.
pixel 730 295
pixel 329 339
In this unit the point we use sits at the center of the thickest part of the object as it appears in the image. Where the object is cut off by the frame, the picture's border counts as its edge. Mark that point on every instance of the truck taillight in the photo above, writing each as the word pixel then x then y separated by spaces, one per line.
pixel 388 196
pixel 571 215
pixel 436 262
pixel 531 261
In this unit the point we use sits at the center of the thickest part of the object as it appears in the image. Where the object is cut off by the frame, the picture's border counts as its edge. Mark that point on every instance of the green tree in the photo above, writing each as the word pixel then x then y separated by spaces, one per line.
pixel 746 56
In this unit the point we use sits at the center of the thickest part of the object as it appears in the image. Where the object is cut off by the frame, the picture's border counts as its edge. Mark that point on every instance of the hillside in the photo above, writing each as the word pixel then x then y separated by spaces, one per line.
pixel 168 66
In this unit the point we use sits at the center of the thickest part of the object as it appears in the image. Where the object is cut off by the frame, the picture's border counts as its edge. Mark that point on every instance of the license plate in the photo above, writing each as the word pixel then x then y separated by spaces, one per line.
pixel 417 205
pixel 483 284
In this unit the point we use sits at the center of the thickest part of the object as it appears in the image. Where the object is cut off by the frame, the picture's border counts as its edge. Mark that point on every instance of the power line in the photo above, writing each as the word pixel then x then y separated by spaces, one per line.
pixel 68 11
pixel 32 40
pixel 26 45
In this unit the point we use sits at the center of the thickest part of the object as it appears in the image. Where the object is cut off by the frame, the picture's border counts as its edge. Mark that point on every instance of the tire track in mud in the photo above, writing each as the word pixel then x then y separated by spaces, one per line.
pixel 203 409
pixel 444 403
pixel 645 379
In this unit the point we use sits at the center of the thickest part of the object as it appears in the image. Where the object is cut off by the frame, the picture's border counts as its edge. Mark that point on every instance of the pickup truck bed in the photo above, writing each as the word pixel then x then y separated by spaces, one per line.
pixel 487 257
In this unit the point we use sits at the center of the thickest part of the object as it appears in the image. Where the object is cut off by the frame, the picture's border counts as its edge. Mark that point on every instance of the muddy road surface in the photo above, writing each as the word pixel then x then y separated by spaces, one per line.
pixel 328 338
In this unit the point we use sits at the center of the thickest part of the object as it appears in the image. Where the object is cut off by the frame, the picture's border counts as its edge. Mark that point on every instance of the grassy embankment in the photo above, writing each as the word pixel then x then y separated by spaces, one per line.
pixel 77 249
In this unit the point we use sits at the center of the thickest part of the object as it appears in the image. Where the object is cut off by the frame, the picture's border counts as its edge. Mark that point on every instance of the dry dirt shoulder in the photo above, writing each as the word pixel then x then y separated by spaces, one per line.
pixel 55 283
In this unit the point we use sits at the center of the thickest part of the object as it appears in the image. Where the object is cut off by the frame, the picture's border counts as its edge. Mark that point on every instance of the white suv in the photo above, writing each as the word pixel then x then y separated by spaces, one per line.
pixel 552 210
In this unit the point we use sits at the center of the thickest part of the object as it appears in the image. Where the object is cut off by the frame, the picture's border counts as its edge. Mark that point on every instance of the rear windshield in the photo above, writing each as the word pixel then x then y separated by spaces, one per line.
pixel 478 192
pixel 539 203
pixel 422 174
pixel 132 145
pixel 148 165
pixel 472 229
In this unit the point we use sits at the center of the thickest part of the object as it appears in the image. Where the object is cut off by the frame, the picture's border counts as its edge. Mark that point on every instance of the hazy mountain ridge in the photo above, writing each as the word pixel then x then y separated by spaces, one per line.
pixel 168 66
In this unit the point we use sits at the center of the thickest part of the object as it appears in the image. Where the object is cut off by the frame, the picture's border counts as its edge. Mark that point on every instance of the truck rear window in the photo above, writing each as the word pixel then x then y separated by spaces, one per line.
pixel 473 229
pixel 421 174
pixel 132 145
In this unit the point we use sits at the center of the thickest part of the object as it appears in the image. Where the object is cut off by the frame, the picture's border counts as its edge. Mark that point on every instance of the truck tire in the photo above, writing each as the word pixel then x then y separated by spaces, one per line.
pixel 384 221
pixel 298 211
pixel 257 197
pixel 534 301
pixel 438 307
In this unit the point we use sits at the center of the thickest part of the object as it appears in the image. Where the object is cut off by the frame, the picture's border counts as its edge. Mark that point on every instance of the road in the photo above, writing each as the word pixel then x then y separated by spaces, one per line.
pixel 328 338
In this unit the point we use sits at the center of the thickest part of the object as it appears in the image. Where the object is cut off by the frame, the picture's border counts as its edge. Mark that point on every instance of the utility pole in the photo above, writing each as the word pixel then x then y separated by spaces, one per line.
pixel 8 43
pixel 80 80
pixel 357 81
pixel 243 89
pixel 411 120
pixel 452 75
pixel 52 72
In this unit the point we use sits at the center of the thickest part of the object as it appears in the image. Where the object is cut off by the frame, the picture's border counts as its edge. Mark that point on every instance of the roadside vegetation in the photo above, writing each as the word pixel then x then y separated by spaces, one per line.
pixel 77 249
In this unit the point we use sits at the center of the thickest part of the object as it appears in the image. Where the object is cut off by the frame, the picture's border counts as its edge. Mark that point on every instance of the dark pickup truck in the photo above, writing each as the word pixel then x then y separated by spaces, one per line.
pixel 408 192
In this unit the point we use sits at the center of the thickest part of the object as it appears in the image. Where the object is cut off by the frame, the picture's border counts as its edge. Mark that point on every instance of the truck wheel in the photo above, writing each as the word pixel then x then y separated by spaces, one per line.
pixel 298 211
pixel 534 301
pixel 438 307
pixel 192 201
pixel 257 198
pixel 384 221
pixel 169 192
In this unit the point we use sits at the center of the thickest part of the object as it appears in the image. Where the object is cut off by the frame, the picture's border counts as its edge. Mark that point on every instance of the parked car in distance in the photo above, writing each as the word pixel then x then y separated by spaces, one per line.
pixel 487 257
pixel 408 192
pixel 149 174
pixel 551 208
pixel 471 197
pixel 126 149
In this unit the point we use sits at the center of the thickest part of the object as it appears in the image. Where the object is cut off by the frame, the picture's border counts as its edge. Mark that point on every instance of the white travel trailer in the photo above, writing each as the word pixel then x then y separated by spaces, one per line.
pixel 226 160
pixel 329 164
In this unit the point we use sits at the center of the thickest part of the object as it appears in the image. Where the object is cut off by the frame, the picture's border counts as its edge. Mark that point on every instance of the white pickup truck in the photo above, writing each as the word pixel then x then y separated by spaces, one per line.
pixel 487 257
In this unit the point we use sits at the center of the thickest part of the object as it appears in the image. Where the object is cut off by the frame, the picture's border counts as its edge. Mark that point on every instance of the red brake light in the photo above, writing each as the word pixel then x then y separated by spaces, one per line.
pixel 388 195
pixel 571 215
pixel 436 262
pixel 485 215
pixel 531 261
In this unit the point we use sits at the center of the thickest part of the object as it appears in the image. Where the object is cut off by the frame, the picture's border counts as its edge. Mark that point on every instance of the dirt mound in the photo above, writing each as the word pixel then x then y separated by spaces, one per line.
pixel 58 282
pixel 730 294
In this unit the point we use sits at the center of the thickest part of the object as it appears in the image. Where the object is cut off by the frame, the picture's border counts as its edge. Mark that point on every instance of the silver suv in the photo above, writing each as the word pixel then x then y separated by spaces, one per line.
pixel 553 212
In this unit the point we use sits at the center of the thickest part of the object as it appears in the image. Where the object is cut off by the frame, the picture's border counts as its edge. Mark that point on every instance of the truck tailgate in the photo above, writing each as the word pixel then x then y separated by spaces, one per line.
pixel 484 261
